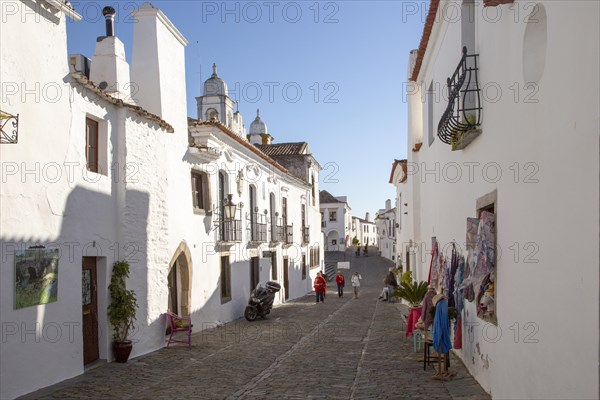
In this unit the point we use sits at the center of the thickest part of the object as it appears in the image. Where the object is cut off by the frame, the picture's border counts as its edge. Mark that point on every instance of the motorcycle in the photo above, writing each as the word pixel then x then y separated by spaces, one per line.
pixel 261 300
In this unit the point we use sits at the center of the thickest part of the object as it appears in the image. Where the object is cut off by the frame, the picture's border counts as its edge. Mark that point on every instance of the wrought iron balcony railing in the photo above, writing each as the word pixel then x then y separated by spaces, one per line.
pixel 258 227
pixel 463 112
pixel 289 234
pixel 9 128
pixel 323 224
pixel 230 230
pixel 305 234
pixel 276 233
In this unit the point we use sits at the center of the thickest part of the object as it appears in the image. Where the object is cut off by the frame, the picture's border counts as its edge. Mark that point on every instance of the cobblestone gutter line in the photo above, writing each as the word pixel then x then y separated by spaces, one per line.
pixel 363 353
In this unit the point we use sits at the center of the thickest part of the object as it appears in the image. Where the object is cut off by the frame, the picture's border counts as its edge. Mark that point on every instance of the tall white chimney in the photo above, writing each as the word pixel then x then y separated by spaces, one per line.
pixel 158 66
pixel 109 69
pixel 388 205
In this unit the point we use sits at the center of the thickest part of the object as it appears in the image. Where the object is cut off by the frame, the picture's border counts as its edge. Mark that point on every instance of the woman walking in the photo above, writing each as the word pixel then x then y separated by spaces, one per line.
pixel 356 283
pixel 341 282
pixel 319 285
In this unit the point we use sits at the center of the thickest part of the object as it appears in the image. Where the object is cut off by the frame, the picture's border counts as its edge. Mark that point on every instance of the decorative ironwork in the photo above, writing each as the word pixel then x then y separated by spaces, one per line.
pixel 258 227
pixel 276 233
pixel 464 102
pixel 289 234
pixel 230 230
pixel 9 128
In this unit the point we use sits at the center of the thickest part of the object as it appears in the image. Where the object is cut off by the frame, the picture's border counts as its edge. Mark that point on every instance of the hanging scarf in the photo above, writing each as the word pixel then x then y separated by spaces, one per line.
pixel 453 268
pixel 441 328
pixel 458 334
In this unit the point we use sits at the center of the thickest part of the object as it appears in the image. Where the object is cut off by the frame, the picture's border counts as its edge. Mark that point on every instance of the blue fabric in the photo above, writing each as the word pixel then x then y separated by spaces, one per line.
pixel 441 328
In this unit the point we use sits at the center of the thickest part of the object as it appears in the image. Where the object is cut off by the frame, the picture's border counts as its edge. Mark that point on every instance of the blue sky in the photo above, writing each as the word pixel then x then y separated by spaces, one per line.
pixel 329 73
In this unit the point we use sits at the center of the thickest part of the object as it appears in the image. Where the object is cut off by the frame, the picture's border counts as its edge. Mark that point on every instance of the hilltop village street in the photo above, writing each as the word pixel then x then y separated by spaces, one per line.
pixel 343 348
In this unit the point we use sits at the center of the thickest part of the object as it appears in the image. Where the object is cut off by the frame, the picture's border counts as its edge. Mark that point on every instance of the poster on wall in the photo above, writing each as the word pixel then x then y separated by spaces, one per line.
pixel 36 277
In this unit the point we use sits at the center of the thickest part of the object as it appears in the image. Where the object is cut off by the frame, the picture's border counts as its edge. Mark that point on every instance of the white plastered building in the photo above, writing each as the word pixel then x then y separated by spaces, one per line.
pixel 103 172
pixel 385 226
pixel 526 151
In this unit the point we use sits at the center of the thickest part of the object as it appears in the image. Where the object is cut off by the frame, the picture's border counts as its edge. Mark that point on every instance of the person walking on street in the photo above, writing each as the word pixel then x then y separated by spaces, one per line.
pixel 390 281
pixel 319 285
pixel 356 283
pixel 341 282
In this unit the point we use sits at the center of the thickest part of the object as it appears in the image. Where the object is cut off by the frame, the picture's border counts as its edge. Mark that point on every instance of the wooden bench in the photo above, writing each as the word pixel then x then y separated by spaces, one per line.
pixel 179 324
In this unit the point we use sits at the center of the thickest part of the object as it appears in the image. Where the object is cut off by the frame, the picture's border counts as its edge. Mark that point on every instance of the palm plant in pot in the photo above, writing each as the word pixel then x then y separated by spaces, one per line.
pixel 121 311
pixel 412 292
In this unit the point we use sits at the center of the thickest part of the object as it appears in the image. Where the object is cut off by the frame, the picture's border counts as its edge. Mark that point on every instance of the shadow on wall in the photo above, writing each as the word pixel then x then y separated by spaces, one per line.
pixel 55 334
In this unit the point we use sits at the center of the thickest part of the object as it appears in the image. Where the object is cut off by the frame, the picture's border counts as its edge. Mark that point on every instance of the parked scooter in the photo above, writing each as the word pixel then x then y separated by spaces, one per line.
pixel 261 300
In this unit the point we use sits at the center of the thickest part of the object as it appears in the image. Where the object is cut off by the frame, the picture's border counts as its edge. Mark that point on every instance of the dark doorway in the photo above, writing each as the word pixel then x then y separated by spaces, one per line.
pixel 89 309
pixel 173 293
pixel 254 272
pixel 274 266
pixel 286 278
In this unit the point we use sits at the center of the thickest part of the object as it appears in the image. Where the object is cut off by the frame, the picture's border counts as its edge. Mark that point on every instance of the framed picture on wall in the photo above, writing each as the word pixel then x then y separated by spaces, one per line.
pixel 36 277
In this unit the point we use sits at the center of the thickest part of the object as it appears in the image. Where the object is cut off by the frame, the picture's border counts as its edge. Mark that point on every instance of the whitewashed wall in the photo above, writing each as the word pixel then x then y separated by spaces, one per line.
pixel 538 149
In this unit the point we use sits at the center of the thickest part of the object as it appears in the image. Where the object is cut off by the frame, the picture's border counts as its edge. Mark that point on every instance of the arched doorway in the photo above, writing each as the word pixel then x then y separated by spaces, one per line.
pixel 179 279
pixel 332 241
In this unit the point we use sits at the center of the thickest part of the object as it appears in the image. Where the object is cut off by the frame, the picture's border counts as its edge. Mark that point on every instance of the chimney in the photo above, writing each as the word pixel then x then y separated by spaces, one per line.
pixel 388 205
pixel 158 66
pixel 109 14
pixel 367 217
pixel 109 69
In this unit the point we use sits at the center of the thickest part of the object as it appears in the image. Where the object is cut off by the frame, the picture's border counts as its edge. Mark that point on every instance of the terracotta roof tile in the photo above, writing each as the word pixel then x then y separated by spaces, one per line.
pixel 283 149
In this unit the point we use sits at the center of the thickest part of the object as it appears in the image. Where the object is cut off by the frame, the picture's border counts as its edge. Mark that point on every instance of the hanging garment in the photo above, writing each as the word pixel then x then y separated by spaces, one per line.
pixel 445 274
pixel 432 279
pixel 458 334
pixel 459 289
pixel 453 268
pixel 484 250
pixel 441 328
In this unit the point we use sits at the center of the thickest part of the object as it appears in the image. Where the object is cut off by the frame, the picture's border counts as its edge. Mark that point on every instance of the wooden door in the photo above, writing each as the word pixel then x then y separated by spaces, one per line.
pixel 286 278
pixel 89 309
pixel 254 272
pixel 173 290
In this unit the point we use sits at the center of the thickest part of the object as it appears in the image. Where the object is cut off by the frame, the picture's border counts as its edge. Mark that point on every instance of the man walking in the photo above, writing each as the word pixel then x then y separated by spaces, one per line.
pixel 341 282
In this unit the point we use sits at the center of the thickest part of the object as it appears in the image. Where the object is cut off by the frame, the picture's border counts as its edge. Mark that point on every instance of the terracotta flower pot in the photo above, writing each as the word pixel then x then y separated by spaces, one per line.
pixel 122 350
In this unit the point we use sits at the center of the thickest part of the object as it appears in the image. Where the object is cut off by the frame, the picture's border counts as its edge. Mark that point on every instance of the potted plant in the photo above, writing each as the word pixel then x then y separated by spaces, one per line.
pixel 412 292
pixel 121 311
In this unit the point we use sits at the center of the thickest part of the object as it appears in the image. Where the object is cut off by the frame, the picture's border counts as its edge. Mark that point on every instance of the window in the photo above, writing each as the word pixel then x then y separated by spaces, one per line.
pixel 91 144
pixel 312 188
pixel 332 216
pixel 315 255
pixel 225 279
pixel 200 190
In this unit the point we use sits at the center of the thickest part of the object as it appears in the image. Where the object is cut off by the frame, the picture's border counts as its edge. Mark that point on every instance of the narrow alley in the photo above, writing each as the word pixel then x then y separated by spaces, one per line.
pixel 344 348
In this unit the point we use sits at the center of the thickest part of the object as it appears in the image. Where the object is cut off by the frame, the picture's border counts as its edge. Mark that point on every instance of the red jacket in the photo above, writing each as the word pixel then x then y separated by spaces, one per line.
pixel 319 284
pixel 339 279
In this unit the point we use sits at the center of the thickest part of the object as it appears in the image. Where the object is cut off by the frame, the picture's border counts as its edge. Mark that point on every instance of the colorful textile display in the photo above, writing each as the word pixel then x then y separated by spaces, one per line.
pixel 452 278
pixel 459 289
pixel 441 327
pixel 433 267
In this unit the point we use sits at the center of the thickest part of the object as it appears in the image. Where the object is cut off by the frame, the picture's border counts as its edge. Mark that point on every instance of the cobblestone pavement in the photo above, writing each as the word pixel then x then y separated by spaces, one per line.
pixel 343 348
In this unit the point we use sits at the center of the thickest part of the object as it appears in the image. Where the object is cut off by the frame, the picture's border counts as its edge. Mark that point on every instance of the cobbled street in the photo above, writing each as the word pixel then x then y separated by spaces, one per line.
pixel 343 348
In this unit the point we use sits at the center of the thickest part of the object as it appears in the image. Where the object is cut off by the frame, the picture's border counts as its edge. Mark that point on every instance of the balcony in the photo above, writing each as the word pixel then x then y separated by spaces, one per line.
pixel 9 128
pixel 288 234
pixel 276 233
pixel 323 224
pixel 305 234
pixel 230 231
pixel 459 124
pixel 257 229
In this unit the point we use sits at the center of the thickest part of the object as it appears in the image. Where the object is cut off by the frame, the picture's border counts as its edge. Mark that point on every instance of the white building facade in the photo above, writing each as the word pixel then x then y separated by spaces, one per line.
pixel 336 219
pixel 102 173
pixel 385 226
pixel 522 116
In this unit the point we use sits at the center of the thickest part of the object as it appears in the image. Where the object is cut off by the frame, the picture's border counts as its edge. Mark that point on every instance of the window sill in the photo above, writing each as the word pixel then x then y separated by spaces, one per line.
pixel 201 211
